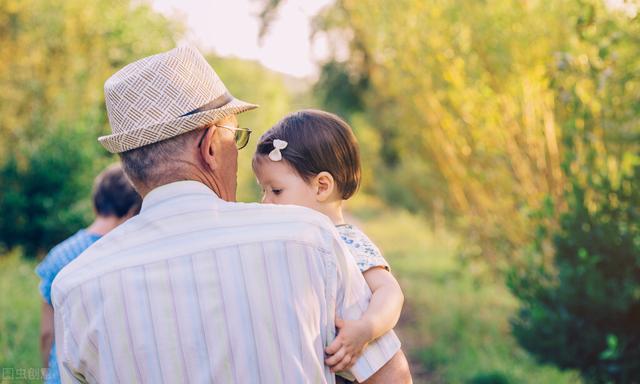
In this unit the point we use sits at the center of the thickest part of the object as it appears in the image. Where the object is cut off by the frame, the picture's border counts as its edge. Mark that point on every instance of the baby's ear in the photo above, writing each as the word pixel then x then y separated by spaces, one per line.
pixel 325 185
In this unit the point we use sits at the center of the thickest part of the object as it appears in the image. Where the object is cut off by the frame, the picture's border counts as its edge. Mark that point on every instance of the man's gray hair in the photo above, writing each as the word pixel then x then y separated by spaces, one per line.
pixel 148 165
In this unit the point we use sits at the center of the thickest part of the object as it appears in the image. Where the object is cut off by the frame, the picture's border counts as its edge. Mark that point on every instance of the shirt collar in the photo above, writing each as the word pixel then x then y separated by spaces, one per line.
pixel 174 190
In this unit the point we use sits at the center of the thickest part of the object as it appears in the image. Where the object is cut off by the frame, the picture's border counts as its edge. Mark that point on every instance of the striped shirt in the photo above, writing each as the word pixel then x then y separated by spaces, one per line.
pixel 196 289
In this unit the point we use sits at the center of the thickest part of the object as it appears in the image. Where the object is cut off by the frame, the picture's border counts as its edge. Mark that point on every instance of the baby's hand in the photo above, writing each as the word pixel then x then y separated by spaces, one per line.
pixel 353 336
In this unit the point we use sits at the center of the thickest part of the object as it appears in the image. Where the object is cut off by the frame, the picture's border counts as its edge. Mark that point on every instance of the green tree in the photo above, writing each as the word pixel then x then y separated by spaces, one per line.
pixel 578 285
pixel 582 311
pixel 54 58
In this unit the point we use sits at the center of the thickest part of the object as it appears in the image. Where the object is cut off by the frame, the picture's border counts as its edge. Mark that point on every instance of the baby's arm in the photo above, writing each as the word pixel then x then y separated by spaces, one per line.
pixel 386 302
pixel 381 315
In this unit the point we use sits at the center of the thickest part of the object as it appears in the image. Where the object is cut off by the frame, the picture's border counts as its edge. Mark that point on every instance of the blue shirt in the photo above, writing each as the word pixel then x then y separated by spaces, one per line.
pixel 61 255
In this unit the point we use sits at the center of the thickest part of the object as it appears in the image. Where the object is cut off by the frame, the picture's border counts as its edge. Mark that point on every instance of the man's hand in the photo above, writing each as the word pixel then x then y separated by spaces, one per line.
pixel 353 337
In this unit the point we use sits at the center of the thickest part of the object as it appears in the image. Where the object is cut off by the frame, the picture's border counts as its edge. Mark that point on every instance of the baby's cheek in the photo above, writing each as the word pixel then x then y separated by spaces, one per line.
pixel 268 198
pixel 284 198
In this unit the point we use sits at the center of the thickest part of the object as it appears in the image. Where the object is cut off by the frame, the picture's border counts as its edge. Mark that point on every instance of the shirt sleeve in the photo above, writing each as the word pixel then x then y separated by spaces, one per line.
pixel 364 251
pixel 61 346
pixel 352 300
pixel 64 347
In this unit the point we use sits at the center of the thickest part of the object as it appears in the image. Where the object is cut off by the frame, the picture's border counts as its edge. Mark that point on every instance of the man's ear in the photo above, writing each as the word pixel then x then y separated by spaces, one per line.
pixel 207 152
pixel 324 185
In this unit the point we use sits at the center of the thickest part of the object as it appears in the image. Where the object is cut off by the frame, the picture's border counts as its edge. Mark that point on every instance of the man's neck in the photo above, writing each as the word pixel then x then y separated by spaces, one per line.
pixel 190 173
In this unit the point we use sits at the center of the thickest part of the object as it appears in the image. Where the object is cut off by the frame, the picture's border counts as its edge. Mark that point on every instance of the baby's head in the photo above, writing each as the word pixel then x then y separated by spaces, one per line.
pixel 308 158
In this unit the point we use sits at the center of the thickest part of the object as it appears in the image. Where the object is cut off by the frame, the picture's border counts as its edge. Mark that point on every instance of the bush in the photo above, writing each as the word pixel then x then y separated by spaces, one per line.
pixel 45 189
pixel 583 312
pixel 489 378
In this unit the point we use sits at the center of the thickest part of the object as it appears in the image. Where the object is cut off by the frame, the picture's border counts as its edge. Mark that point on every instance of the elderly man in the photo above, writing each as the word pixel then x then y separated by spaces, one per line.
pixel 198 288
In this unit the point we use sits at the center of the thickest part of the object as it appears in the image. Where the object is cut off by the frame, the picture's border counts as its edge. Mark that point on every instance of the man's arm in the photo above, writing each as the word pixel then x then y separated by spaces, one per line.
pixel 395 370
pixel 46 333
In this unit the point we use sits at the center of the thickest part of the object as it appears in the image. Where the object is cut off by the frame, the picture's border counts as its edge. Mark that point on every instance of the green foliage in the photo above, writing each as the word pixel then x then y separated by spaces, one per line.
pixel 462 108
pixel 341 90
pixel 579 283
pixel 582 311
pixel 54 59
pixel 55 56
pixel 476 104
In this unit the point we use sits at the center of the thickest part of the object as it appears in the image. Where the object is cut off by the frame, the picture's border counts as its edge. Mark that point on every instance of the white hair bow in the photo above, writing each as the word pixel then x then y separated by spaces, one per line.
pixel 275 154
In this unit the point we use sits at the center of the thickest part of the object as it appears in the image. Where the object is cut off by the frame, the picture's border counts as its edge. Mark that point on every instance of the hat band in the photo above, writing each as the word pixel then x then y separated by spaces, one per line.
pixel 218 102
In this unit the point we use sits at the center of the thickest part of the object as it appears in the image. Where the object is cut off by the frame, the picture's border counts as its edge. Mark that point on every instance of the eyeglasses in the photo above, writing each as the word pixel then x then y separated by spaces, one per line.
pixel 241 135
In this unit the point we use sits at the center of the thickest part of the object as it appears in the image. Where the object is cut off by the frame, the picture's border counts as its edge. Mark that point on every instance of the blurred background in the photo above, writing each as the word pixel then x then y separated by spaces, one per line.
pixel 500 143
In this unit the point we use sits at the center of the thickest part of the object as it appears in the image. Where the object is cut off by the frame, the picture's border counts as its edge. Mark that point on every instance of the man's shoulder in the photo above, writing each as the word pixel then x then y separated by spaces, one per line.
pixel 144 238
pixel 273 214
pixel 68 277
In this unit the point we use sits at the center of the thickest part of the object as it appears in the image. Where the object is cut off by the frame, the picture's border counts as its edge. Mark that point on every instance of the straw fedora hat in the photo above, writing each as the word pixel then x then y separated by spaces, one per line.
pixel 163 96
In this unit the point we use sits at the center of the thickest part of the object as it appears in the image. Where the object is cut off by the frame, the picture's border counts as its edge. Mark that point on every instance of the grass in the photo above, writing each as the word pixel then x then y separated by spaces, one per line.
pixel 455 326
pixel 19 319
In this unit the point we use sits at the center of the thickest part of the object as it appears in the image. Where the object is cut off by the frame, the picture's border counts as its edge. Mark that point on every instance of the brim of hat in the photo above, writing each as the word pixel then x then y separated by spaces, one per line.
pixel 136 138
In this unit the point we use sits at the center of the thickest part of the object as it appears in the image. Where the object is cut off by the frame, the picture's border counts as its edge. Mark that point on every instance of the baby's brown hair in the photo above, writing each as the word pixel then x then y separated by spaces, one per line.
pixel 317 141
